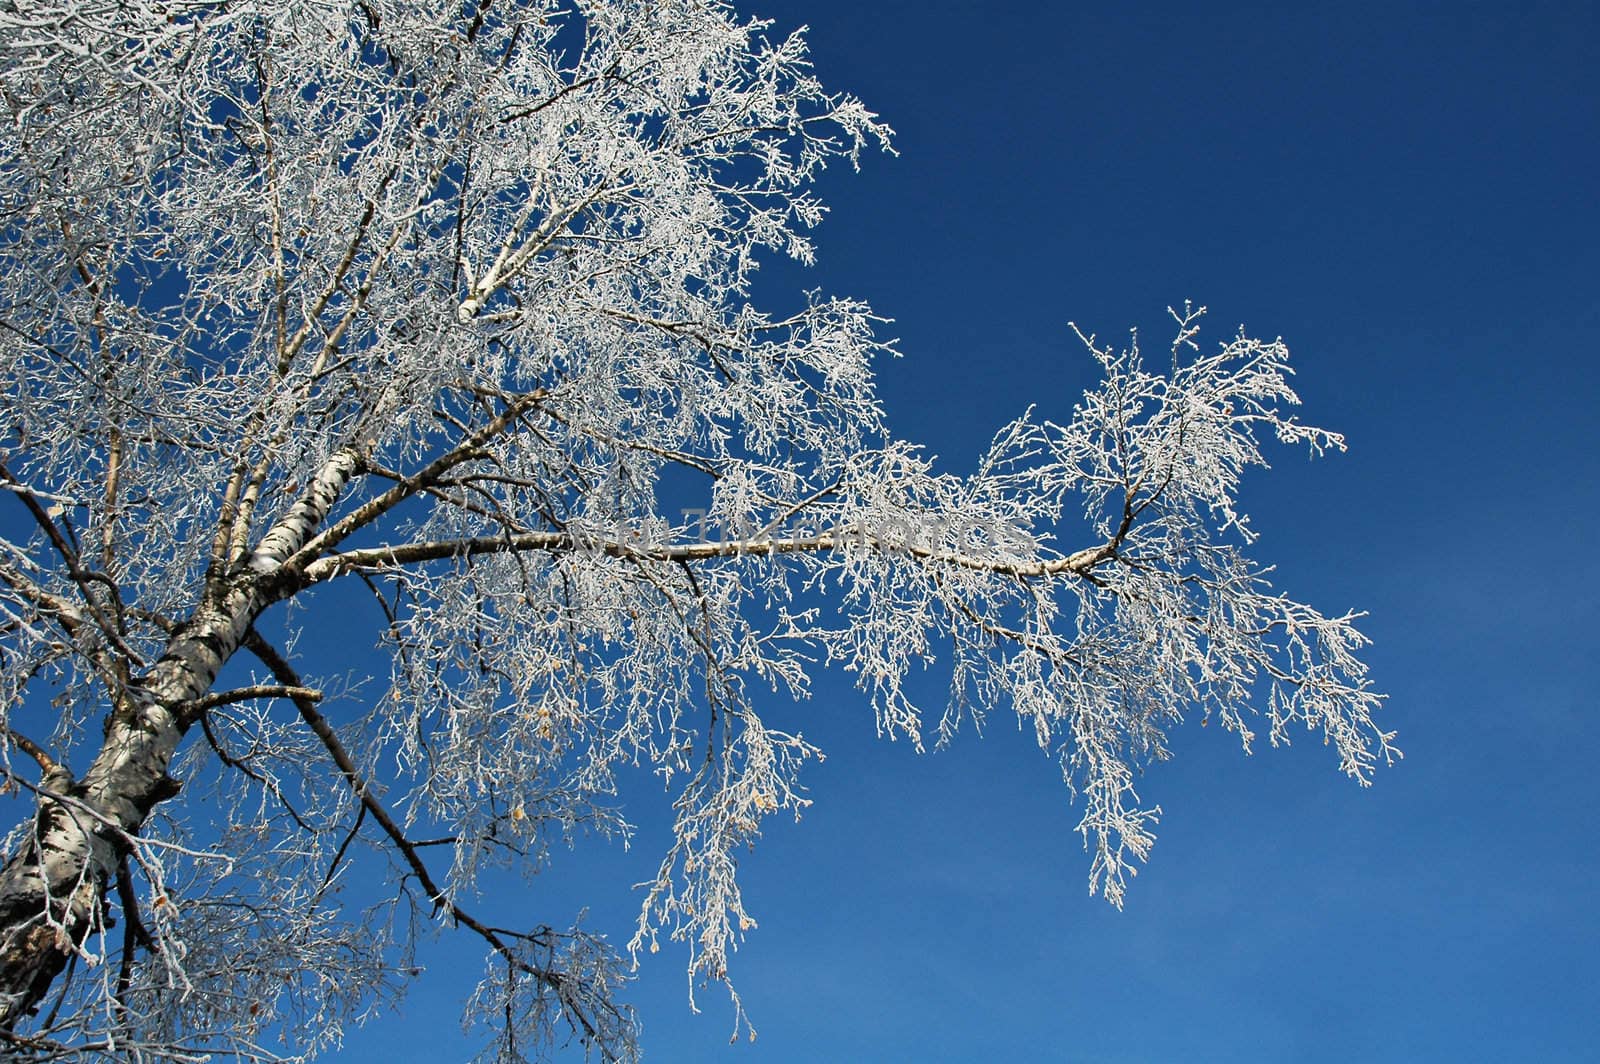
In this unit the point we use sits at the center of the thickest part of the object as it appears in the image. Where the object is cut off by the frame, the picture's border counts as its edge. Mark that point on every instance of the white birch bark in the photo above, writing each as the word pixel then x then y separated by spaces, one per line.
pixel 53 890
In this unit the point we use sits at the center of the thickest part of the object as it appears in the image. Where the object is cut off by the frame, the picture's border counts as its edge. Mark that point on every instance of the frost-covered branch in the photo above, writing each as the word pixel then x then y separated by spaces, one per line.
pixel 458 300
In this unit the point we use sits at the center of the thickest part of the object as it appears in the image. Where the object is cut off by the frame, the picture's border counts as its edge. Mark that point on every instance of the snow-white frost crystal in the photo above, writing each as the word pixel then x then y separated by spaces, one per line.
pixel 432 324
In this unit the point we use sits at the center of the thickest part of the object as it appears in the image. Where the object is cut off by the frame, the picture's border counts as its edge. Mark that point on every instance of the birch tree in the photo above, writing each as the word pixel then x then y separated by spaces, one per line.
pixel 451 305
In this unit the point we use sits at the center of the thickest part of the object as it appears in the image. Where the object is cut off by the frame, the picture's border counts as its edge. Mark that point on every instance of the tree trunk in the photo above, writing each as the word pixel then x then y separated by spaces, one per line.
pixel 52 892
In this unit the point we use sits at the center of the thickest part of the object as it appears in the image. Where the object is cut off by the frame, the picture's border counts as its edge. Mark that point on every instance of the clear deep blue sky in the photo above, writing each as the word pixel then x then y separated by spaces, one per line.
pixel 1407 193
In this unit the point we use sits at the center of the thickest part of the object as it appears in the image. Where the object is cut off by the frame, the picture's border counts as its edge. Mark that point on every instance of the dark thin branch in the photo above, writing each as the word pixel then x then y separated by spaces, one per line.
pixel 556 981
pixel 134 935
pixel 235 763
pixel 338 856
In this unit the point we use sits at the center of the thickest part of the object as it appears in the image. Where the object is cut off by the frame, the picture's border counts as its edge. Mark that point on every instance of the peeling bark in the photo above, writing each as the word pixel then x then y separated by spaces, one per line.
pixel 53 891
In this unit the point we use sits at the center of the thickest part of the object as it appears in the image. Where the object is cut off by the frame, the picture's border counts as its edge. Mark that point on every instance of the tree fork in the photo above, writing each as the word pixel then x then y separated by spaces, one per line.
pixel 53 891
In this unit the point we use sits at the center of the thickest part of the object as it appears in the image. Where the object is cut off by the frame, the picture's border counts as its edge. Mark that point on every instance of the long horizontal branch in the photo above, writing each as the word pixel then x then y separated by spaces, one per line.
pixel 1079 563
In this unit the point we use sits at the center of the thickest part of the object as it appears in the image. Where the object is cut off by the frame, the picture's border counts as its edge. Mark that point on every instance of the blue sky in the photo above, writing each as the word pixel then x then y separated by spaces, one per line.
pixel 1407 194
